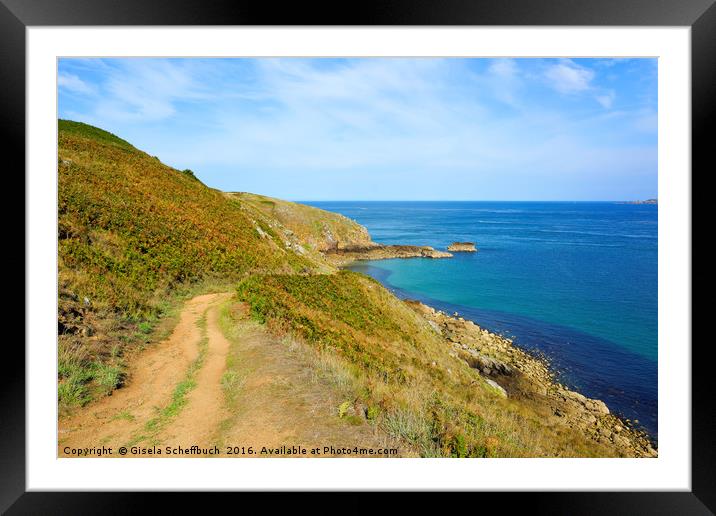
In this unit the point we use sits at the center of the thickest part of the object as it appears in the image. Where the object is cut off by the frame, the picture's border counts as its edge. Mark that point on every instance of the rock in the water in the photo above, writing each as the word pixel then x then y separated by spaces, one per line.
pixel 373 251
pixel 462 247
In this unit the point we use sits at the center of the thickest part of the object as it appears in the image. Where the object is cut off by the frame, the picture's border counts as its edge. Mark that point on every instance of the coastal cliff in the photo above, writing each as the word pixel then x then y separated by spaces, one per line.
pixel 315 229
pixel 136 238
pixel 325 236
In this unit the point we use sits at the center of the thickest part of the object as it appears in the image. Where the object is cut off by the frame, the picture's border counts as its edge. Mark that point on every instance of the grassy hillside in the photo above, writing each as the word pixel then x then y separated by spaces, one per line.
pixel 319 230
pixel 403 372
pixel 134 233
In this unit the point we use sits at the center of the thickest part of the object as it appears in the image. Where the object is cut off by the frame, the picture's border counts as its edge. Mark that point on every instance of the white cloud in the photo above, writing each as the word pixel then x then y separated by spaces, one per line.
pixel 308 125
pixel 503 76
pixel 376 114
pixel 73 83
pixel 357 113
pixel 143 90
pixel 607 99
pixel 569 77
pixel 503 67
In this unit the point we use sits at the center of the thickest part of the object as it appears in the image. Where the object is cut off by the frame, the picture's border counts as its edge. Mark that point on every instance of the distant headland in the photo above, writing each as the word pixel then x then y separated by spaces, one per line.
pixel 645 201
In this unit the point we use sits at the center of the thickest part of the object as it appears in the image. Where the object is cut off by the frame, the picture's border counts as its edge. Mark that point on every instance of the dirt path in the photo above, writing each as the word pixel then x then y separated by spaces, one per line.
pixel 180 394
pixel 199 422
pixel 116 419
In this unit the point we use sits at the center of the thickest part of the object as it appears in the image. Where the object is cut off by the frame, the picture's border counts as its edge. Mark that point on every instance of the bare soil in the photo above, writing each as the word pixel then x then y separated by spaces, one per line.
pixel 279 403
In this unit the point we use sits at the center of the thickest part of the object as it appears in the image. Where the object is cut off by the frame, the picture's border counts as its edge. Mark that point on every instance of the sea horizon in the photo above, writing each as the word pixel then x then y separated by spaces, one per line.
pixel 547 278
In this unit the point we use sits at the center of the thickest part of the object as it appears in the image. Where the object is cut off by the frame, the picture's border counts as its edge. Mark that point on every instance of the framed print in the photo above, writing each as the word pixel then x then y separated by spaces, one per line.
pixel 424 248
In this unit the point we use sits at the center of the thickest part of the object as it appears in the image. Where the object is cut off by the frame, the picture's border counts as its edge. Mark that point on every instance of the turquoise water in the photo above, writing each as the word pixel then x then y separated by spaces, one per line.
pixel 574 281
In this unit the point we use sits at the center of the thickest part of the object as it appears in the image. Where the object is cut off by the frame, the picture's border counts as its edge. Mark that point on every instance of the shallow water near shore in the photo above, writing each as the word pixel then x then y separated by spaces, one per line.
pixel 576 282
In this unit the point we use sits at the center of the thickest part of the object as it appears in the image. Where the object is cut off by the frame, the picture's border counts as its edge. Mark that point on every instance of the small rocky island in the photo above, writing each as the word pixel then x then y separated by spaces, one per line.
pixel 462 247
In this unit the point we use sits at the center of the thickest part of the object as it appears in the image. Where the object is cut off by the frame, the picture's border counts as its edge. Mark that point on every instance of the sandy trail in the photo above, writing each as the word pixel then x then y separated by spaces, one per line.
pixel 200 420
pixel 114 420
pixel 278 397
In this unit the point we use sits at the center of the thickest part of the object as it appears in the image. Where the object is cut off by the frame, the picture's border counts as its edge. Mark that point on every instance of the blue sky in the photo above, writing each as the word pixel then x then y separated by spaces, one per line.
pixel 384 128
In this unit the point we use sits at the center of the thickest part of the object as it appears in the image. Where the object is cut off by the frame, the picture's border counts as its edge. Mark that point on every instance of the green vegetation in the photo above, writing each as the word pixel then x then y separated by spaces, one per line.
pixel 401 369
pixel 372 413
pixel 316 229
pixel 80 379
pixel 134 236
pixel 125 415
pixel 88 132
pixel 343 408
pixel 190 173
pixel 293 299
pixel 133 226
pixel 232 380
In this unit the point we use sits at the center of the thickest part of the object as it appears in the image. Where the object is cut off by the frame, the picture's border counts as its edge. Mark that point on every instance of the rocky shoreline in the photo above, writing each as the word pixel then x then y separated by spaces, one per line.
pixel 516 374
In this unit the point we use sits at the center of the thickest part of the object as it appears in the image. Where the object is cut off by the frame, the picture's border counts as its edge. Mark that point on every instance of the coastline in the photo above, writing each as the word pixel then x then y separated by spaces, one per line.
pixel 520 374
pixel 438 382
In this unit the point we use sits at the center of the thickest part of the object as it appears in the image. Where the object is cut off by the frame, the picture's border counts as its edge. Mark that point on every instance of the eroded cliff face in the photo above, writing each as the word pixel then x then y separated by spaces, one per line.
pixel 314 228
pixel 521 376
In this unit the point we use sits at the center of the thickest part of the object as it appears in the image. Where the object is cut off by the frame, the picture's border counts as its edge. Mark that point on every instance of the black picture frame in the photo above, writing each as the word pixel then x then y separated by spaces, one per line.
pixel 700 15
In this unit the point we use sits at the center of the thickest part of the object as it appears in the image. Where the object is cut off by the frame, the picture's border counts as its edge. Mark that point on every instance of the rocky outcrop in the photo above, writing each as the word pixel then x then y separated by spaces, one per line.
pixel 500 390
pixel 344 254
pixel 315 230
pixel 486 365
pixel 320 235
pixel 462 247
pixel 511 372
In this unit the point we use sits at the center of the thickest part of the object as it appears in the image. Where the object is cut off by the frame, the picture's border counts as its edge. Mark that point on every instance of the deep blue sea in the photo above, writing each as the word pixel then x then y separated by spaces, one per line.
pixel 575 281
